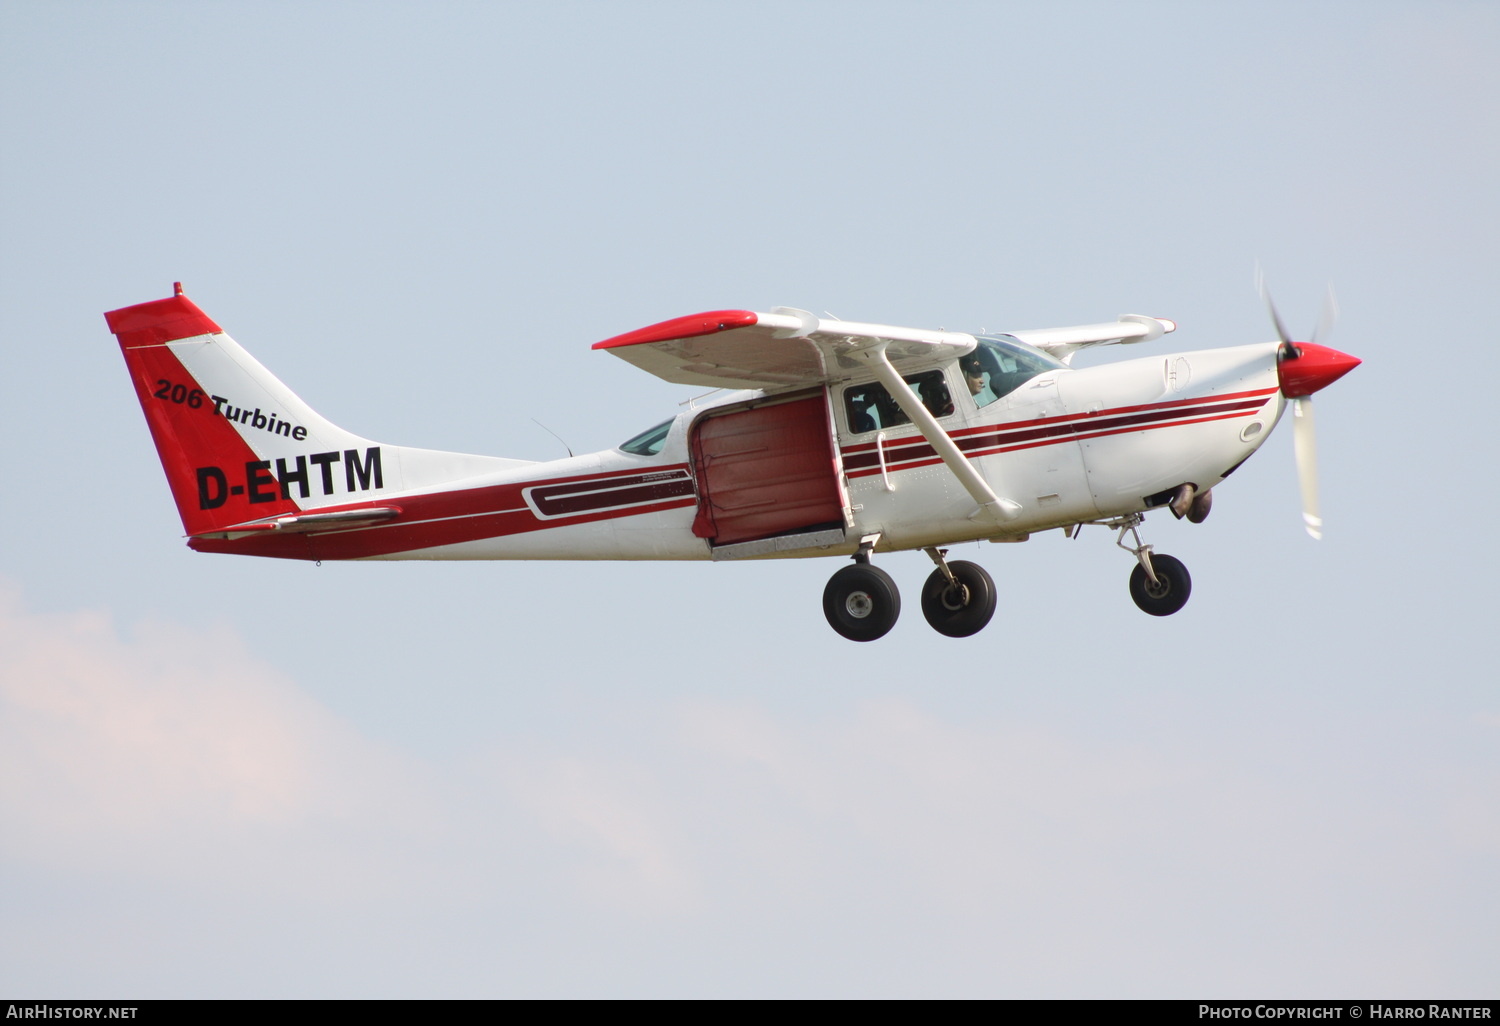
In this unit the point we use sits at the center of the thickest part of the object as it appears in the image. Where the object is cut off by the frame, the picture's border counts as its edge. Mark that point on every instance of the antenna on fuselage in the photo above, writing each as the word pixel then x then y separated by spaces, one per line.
pixel 554 434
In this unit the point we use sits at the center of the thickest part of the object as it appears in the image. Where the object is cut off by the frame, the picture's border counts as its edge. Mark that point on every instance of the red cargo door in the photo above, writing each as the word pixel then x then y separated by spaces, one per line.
pixel 766 471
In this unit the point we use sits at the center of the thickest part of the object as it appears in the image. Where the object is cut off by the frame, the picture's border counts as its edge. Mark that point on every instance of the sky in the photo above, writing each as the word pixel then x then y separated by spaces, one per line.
pixel 223 777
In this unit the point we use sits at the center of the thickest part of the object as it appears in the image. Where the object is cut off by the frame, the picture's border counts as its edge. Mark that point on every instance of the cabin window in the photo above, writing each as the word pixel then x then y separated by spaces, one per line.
pixel 1000 365
pixel 869 407
pixel 650 441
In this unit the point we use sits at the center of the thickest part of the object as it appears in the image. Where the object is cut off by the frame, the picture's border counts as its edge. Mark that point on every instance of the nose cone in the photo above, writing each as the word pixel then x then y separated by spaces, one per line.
pixel 1317 367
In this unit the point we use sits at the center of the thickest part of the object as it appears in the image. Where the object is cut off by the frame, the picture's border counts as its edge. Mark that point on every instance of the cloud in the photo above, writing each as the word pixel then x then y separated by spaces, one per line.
pixel 179 781
pixel 970 817
pixel 165 754
pixel 626 846
pixel 128 736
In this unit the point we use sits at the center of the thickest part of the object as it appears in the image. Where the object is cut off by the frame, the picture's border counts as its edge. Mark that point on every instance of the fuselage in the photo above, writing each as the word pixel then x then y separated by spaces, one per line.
pixel 805 472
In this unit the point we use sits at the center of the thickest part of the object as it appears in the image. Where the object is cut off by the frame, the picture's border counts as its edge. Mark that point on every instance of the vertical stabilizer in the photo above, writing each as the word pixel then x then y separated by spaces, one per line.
pixel 237 445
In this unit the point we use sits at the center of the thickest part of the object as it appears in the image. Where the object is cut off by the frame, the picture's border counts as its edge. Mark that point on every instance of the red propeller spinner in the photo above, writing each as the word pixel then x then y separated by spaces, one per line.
pixel 1309 367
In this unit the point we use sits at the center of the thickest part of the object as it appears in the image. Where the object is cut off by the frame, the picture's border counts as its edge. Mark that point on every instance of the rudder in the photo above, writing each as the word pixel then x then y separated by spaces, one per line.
pixel 236 444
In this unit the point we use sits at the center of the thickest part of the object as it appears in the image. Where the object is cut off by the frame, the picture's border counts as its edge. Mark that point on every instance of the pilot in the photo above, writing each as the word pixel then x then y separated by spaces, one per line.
pixel 977 380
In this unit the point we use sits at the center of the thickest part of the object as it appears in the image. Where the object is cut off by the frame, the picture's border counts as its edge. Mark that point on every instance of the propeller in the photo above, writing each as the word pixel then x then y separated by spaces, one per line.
pixel 1303 369
pixel 1305 445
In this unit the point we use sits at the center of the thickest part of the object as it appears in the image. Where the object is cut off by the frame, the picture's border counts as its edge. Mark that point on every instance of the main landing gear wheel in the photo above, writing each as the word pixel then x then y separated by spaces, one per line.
pixel 861 602
pixel 1170 591
pixel 959 610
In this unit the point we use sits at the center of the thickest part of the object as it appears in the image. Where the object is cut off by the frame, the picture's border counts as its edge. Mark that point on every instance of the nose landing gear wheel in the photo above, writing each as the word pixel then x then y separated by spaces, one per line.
pixel 1169 593
pixel 962 610
pixel 861 602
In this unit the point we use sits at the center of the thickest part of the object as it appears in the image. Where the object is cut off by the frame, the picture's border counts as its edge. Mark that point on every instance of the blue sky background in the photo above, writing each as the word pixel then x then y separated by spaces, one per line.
pixel 226 777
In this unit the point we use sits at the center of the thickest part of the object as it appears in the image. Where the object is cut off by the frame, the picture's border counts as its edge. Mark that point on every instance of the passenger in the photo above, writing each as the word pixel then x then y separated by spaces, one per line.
pixel 935 398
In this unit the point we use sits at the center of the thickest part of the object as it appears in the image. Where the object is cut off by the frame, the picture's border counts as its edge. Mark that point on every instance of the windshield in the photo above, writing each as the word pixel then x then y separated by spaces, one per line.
pixel 650 441
pixel 1000 365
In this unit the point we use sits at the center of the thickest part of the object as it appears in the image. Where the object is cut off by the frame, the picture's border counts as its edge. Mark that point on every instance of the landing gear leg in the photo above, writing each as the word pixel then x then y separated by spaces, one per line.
pixel 861 601
pixel 959 597
pixel 1160 584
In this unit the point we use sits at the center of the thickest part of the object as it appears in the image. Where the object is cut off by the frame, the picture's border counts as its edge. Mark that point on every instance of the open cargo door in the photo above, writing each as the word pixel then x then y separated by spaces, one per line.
pixel 767 470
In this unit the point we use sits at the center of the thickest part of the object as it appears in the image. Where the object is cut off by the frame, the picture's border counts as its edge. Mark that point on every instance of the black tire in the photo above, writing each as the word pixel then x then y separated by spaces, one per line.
pixel 1171 591
pixel 861 602
pixel 962 611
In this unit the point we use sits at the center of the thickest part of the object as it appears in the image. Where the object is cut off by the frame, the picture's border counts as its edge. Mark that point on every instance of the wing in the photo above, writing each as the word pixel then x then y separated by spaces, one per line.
pixel 790 348
pixel 1062 343
pixel 785 348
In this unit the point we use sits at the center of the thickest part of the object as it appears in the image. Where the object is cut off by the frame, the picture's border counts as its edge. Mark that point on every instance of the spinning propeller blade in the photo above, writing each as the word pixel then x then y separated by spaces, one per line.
pixel 1326 317
pixel 1304 441
pixel 1302 370
pixel 1265 296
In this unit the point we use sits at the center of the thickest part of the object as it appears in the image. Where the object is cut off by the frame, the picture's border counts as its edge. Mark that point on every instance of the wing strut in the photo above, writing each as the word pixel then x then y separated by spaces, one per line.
pixel 990 504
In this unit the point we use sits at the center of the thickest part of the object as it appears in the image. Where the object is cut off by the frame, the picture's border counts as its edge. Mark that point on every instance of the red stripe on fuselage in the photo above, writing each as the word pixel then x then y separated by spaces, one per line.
pixel 441 518
pixel 1074 418
pixel 635 493
pixel 991 439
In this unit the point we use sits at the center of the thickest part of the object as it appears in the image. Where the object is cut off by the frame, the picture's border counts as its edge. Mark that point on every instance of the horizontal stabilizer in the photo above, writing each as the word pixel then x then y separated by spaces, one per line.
pixel 304 522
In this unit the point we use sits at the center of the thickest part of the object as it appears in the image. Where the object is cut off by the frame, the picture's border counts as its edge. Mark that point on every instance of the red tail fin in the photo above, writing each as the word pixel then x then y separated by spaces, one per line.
pixel 216 477
pixel 239 447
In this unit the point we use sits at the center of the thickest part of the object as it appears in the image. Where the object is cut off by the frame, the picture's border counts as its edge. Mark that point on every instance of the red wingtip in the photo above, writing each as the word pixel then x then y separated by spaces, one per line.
pixel 682 327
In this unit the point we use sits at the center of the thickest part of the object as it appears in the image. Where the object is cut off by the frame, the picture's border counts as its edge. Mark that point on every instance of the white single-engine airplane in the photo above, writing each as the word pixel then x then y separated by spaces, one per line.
pixel 845 439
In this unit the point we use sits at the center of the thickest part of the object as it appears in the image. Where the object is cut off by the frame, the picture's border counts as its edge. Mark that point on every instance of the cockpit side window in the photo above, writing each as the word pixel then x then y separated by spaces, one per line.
pixel 650 441
pixel 1000 365
pixel 869 407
